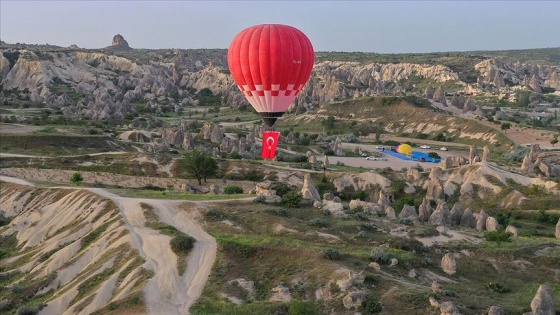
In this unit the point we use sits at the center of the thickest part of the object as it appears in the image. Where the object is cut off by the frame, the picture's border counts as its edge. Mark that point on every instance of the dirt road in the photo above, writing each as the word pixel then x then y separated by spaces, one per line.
pixel 167 292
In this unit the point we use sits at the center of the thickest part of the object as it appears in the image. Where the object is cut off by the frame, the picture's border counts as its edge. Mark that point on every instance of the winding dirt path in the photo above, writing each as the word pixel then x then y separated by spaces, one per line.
pixel 167 292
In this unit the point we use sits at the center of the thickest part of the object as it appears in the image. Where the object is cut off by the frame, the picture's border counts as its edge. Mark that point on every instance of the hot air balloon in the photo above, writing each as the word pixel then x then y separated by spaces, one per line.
pixel 270 63
pixel 404 148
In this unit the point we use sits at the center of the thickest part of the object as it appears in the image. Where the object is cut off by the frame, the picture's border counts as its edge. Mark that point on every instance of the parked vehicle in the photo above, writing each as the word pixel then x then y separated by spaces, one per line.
pixel 379 147
pixel 371 158
pixel 424 146
pixel 443 149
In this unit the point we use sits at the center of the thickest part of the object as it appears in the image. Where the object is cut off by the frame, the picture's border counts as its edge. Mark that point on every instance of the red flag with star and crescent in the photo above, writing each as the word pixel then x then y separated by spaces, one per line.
pixel 269 142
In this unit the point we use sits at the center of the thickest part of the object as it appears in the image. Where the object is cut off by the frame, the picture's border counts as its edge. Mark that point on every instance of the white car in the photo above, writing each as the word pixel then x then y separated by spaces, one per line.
pixel 424 146
pixel 379 147
pixel 443 149
pixel 371 158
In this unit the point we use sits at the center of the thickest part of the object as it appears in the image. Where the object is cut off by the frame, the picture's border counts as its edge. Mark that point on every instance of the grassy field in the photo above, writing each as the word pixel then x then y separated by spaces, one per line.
pixel 151 194
pixel 273 245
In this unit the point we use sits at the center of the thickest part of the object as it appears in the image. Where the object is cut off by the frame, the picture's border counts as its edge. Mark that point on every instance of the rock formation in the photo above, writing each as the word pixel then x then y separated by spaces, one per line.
pixel 491 224
pixel 512 229
pixel 542 303
pixel 448 264
pixel 448 308
pixel 496 310
pixel 473 153
pixel 557 233
pixel 441 216
pixel 468 219
pixel 434 190
pixel 481 218
pixel 119 42
pixel 439 96
pixel 429 92
pixel 308 191
pixel 280 293
pixel 486 154
pixel 390 213
pixel 424 210
pixel 408 212
pixel 456 214
pixel 354 299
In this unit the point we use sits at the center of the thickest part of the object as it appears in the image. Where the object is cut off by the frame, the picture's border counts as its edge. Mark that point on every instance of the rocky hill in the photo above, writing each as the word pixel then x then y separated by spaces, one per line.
pixel 67 247
pixel 112 82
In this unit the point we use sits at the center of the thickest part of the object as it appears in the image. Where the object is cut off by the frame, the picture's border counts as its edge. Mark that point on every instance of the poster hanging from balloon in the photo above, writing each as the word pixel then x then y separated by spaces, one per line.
pixel 270 63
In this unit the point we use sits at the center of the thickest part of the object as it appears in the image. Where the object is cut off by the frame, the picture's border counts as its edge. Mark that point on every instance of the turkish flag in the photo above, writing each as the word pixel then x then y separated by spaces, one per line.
pixel 269 142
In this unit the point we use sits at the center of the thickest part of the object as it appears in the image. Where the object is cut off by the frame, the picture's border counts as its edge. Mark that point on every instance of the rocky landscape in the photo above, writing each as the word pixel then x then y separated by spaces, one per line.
pixel 131 183
pixel 105 84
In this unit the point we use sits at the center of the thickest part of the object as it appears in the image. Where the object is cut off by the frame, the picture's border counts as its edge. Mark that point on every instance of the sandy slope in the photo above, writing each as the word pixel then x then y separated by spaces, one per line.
pixel 166 292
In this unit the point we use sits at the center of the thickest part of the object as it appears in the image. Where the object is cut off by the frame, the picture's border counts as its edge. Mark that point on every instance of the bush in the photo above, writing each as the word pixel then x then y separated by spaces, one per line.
pixel 77 178
pixel 232 190
pixel 292 199
pixel 496 287
pixel 260 199
pixel 280 212
pixel 497 236
pixel 372 307
pixel 320 223
pixel 182 244
pixel 281 188
pixel 235 155
pixel 331 253
pixel 379 255
pixel 153 187
pixel 254 175
pixel 215 215
pixel 302 308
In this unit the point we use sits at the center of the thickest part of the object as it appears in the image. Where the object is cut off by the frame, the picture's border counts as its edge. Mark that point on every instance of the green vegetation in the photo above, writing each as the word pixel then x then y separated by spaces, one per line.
pixel 77 178
pixel 180 243
pixel 232 189
pixel 199 165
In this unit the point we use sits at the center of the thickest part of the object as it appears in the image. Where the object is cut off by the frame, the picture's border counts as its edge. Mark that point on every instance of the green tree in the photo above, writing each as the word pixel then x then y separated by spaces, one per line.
pixel 505 126
pixel 77 178
pixel 199 164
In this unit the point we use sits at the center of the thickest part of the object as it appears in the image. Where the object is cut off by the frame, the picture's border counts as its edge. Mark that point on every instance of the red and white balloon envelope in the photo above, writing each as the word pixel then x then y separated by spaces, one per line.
pixel 270 63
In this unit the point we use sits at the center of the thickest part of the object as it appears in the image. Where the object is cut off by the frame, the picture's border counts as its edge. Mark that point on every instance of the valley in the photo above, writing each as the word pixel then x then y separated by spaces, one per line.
pixel 102 211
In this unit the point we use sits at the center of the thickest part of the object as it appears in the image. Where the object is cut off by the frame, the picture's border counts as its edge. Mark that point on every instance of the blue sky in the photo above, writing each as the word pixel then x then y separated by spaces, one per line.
pixel 369 26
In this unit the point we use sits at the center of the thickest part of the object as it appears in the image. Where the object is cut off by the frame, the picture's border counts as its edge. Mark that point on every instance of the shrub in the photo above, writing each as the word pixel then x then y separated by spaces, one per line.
pixel 77 178
pixel 260 199
pixel 496 287
pixel 360 194
pixel 498 236
pixel 292 199
pixel 379 255
pixel 331 253
pixel 317 222
pixel 254 175
pixel 281 188
pixel 371 307
pixel 302 308
pixel 235 155
pixel 215 215
pixel 153 187
pixel 280 212
pixel 182 244
pixel 232 190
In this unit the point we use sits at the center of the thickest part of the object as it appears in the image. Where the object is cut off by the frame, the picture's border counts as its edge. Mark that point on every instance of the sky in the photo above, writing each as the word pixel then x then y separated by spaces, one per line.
pixel 367 26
